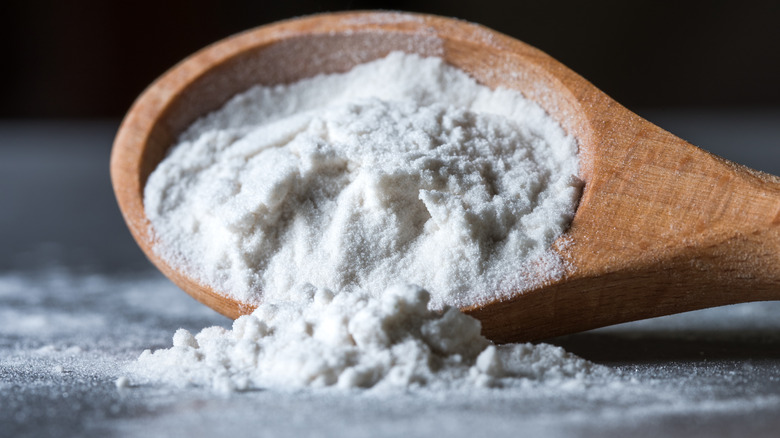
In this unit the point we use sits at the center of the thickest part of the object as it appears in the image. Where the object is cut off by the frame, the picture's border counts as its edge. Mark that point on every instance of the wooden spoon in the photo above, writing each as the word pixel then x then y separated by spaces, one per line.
pixel 662 226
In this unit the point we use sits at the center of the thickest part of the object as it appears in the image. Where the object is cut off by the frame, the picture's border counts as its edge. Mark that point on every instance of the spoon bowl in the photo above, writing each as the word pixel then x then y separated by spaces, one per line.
pixel 662 226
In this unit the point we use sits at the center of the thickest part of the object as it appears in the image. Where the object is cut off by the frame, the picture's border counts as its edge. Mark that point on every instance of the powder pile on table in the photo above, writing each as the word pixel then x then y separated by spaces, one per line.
pixel 324 201
pixel 353 340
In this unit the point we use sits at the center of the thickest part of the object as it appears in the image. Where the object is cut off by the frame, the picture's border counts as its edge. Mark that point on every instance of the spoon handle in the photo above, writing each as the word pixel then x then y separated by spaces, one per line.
pixel 663 227
pixel 714 221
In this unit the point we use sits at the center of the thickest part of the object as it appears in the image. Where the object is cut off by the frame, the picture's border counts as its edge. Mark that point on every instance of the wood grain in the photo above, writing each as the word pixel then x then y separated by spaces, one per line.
pixel 662 226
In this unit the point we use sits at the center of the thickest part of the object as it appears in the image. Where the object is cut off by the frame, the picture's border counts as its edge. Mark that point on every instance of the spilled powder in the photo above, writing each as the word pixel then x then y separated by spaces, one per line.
pixel 327 201
pixel 355 341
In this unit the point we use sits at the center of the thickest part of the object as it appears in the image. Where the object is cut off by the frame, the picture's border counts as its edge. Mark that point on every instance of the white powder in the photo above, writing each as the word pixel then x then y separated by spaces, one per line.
pixel 403 170
pixel 310 199
pixel 320 339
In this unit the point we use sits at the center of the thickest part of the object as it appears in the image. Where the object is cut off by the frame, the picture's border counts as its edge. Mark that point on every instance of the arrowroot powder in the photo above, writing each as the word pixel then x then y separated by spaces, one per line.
pixel 401 170
pixel 353 340
pixel 326 201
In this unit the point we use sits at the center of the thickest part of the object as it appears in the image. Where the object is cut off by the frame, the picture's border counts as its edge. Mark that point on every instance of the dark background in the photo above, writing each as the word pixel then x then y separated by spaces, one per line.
pixel 86 59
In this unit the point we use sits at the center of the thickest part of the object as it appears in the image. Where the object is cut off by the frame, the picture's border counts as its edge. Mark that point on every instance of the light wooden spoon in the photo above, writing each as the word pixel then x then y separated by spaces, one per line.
pixel 662 226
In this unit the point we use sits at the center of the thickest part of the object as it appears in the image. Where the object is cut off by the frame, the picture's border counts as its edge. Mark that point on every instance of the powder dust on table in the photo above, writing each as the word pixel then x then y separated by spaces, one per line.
pixel 327 201
pixel 320 339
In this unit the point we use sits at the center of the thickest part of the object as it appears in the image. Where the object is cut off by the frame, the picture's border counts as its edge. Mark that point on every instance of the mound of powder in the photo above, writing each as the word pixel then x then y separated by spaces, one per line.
pixel 310 199
pixel 318 338
pixel 402 170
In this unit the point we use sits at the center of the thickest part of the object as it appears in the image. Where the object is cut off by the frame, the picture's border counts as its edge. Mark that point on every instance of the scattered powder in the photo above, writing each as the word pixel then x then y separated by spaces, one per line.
pixel 312 200
pixel 122 382
pixel 721 385
pixel 320 339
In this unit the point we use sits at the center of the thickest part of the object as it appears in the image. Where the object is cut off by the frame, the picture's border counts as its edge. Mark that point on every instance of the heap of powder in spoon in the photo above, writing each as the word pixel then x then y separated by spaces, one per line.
pixel 315 198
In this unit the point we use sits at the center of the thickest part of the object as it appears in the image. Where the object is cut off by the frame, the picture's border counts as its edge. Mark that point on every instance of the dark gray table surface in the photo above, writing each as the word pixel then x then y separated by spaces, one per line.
pixel 78 302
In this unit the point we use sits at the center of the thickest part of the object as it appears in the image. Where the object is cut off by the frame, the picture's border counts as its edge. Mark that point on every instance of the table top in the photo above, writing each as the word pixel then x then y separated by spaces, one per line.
pixel 78 302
